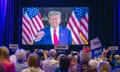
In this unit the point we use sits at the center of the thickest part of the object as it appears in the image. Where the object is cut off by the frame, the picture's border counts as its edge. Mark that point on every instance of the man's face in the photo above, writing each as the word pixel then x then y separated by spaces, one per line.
pixel 54 20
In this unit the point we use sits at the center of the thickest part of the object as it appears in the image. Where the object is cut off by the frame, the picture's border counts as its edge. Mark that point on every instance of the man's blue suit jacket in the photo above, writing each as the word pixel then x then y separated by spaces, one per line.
pixel 65 37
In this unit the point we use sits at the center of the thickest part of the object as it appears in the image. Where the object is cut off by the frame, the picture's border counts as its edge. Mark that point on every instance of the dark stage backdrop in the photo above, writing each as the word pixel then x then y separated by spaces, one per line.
pixel 104 18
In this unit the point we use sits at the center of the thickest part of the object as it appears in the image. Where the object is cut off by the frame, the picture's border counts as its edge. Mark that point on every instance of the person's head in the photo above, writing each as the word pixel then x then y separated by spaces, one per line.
pixel 116 57
pixel 20 54
pixel 64 62
pixel 75 59
pixel 54 18
pixel 33 60
pixel 59 56
pixel 103 67
pixel 4 52
pixel 85 55
pixel 52 53
pixel 40 52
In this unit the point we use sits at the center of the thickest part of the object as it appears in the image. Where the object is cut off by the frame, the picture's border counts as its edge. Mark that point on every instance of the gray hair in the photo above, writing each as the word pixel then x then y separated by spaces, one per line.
pixel 52 53
pixel 20 54
pixel 54 13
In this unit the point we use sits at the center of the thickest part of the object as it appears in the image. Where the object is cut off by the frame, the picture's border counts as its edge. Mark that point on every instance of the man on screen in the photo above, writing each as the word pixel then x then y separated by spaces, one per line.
pixel 54 34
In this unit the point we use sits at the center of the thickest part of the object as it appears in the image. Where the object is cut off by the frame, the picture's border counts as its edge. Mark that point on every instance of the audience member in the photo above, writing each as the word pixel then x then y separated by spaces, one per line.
pixel 33 64
pixel 12 56
pixel 103 67
pixel 50 63
pixel 63 64
pixel 21 57
pixel 85 56
pixel 73 64
pixel 4 60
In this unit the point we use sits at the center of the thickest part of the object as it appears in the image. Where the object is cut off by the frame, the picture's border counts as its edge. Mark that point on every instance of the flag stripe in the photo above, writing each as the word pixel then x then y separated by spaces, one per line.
pixel 76 29
pixel 76 21
pixel 27 33
pixel 25 37
pixel 73 30
pixel 37 23
pixel 73 36
pixel 84 30
pixel 82 24
pixel 73 20
pixel 40 21
pixel 85 24
pixel 27 30
pixel 84 33
pixel 27 26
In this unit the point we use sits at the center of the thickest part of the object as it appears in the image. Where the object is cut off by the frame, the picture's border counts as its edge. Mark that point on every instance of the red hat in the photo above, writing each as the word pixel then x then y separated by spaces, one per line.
pixel 86 50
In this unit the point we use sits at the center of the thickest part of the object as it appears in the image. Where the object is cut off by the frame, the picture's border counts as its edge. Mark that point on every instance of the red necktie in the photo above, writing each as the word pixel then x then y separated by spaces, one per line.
pixel 55 37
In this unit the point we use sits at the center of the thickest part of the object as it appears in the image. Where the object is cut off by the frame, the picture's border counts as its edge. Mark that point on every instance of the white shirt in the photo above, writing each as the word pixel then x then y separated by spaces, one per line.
pixel 52 31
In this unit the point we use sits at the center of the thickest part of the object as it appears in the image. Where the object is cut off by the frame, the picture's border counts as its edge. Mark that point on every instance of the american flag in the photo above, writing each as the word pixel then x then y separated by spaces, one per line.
pixel 31 24
pixel 78 24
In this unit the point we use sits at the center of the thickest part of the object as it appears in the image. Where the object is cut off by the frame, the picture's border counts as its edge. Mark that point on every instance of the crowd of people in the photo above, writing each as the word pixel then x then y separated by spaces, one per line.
pixel 50 61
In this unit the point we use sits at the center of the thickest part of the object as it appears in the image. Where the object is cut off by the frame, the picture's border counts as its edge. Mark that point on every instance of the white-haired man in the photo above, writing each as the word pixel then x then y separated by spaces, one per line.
pixel 50 63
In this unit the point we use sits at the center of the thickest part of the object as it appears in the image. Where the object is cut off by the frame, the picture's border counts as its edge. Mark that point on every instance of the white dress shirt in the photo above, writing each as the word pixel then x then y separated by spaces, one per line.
pixel 52 31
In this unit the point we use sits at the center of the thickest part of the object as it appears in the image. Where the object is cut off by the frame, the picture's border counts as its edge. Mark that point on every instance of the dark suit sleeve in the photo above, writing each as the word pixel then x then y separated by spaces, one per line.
pixel 38 42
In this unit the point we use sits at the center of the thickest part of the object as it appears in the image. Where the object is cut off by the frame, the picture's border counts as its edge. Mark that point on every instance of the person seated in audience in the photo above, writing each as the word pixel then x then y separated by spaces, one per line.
pixel 50 63
pixel 4 60
pixel 103 67
pixel 84 57
pixel 21 57
pixel 63 64
pixel 33 64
